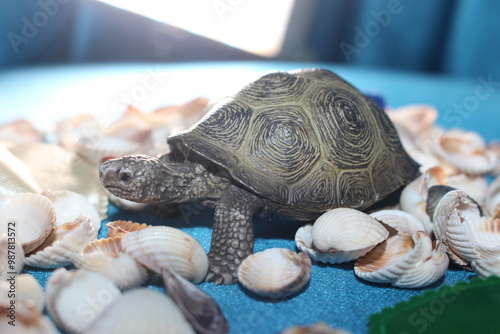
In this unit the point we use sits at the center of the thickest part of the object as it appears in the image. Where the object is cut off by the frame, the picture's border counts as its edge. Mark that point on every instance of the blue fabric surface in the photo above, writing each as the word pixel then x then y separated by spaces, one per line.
pixel 334 294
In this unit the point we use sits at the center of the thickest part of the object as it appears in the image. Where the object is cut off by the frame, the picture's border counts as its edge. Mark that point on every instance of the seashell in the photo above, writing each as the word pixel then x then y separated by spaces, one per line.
pixel 69 205
pixel 73 172
pixel 466 151
pixel 467 235
pixel 404 260
pixel 11 256
pixel 20 131
pixel 399 221
pixel 413 198
pixel 106 257
pixel 28 288
pixel 159 247
pixel 275 272
pixel 486 267
pixel 415 118
pixel 28 320
pixel 15 176
pixel 436 193
pixel 67 239
pixel 340 235
pixel 75 298
pixel 475 186
pixel 492 202
pixel 29 216
pixel 199 309
pixel 119 228
pixel 140 310
pixel 318 328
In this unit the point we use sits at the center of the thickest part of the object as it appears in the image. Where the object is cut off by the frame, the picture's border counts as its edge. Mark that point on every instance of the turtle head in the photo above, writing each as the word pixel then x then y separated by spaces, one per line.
pixel 142 178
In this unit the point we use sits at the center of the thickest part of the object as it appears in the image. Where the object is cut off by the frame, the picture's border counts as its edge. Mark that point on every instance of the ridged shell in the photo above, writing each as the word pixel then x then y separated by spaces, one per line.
pixel 340 235
pixel 399 220
pixel 28 320
pixel 404 260
pixel 486 267
pixel 69 205
pixel 275 272
pixel 33 214
pixel 75 298
pixel 492 203
pixel 158 247
pixel 10 249
pixel 119 228
pixel 65 241
pixel 15 176
pixel 466 151
pixel 141 310
pixel 106 257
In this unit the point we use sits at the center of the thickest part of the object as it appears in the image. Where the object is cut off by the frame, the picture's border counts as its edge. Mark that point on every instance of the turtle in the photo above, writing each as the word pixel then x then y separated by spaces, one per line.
pixel 295 143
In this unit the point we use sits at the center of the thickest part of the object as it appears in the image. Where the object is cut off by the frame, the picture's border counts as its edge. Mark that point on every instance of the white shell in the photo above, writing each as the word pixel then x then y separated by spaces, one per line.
pixel 105 256
pixel 28 288
pixel 399 220
pixel 486 267
pixel 31 215
pixel 492 203
pixel 75 298
pixel 340 235
pixel 141 310
pixel 119 228
pixel 275 272
pixel 475 186
pixel 28 320
pixel 404 260
pixel 65 241
pixel 69 205
pixel 15 176
pixel 466 151
pixel 158 247
pixel 11 256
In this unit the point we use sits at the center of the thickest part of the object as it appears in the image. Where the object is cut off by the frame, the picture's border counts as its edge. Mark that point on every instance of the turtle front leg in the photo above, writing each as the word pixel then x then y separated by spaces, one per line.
pixel 232 235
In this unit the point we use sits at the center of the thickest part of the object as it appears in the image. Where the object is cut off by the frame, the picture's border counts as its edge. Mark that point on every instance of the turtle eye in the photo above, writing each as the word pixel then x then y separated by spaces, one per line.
pixel 124 177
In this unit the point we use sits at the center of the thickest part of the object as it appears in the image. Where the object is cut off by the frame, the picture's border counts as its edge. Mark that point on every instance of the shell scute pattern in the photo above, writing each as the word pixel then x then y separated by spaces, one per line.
pixel 287 133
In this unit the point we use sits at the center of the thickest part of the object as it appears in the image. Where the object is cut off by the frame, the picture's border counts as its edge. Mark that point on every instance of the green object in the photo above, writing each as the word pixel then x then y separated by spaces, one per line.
pixel 466 307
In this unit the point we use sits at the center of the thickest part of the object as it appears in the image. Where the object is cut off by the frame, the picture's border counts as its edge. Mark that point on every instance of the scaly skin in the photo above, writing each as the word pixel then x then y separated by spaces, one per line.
pixel 150 180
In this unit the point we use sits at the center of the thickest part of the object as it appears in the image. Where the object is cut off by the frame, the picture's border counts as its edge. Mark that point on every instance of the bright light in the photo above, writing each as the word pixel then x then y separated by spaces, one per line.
pixel 257 26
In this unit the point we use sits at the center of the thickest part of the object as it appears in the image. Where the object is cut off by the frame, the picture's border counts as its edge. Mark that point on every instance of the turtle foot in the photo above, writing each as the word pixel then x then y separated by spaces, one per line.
pixel 221 272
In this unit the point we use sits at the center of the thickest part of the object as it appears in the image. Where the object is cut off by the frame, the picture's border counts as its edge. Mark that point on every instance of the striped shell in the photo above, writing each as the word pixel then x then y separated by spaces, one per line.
pixel 301 138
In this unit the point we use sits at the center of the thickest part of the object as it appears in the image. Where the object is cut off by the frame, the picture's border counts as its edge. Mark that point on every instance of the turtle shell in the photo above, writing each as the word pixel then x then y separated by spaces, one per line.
pixel 306 140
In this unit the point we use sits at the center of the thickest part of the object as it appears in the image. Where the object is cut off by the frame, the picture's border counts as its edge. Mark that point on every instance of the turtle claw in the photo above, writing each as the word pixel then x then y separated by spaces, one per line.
pixel 220 272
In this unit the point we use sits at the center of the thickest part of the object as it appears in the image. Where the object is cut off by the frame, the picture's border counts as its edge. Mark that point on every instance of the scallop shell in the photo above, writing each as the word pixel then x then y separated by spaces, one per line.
pixel 65 241
pixel 73 172
pixel 15 176
pixel 30 215
pixel 475 186
pixel 275 272
pixel 399 220
pixel 486 267
pixel 340 235
pixel 141 310
pixel 119 228
pixel 75 298
pixel 466 151
pixel 467 235
pixel 106 257
pixel 11 256
pixel 158 247
pixel 404 260
pixel 69 205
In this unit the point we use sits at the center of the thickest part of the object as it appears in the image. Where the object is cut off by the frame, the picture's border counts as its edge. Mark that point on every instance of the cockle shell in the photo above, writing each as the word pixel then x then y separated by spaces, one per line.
pixel 492 203
pixel 75 298
pixel 158 247
pixel 28 320
pixel 404 260
pixel 11 256
pixel 69 205
pixel 398 220
pixel 106 257
pixel 467 235
pixel 275 272
pixel 54 167
pixel 486 267
pixel 68 239
pixel 15 176
pixel 29 216
pixel 140 310
pixel 466 151
pixel 340 235
pixel 119 228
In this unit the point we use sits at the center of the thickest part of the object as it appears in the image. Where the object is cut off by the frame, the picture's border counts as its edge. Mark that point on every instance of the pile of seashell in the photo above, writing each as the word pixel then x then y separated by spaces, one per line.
pixel 450 212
